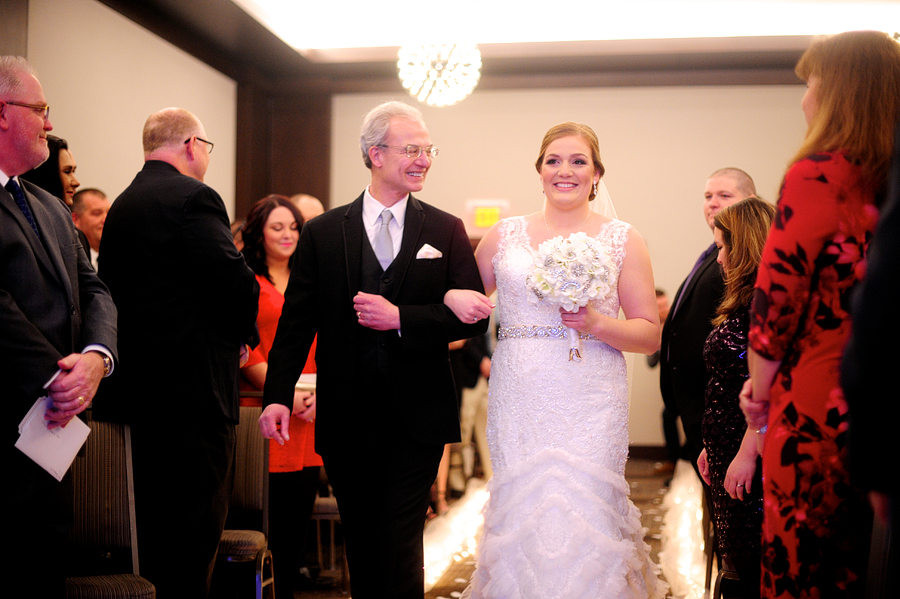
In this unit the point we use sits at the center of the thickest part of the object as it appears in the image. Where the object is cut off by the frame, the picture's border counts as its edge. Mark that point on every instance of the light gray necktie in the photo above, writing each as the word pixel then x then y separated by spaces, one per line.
pixel 384 244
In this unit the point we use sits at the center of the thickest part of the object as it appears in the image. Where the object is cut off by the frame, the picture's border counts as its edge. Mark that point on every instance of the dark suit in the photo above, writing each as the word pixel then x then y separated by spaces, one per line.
pixel 868 379
pixel 187 301
pixel 84 243
pixel 683 375
pixel 386 402
pixel 51 305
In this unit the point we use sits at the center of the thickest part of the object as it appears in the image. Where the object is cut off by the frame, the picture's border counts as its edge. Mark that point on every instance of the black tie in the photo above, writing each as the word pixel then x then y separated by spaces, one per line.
pixel 19 196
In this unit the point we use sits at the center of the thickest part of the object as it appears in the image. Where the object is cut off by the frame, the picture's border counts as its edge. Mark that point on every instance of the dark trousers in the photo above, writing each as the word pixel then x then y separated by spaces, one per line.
pixel 670 433
pixel 292 496
pixel 37 527
pixel 183 478
pixel 383 498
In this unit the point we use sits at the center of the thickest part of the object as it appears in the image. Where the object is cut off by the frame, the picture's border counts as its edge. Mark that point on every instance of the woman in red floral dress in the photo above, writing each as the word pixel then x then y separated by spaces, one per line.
pixel 815 523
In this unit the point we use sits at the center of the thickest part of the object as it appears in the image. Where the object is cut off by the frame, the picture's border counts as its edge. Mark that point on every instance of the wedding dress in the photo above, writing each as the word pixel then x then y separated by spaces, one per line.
pixel 559 523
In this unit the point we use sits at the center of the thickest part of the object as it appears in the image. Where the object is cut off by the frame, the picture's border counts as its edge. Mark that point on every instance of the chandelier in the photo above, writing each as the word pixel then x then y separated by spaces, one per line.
pixel 441 74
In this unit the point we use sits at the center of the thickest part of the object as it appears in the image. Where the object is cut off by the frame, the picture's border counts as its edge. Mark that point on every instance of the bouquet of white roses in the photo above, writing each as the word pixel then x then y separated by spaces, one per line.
pixel 569 273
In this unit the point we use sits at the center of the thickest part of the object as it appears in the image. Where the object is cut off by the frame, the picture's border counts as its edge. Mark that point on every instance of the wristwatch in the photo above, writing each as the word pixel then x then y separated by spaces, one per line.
pixel 107 364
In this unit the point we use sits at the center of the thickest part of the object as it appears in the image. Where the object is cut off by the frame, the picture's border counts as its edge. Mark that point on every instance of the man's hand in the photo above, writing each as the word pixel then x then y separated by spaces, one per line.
pixel 75 387
pixel 275 423
pixel 375 312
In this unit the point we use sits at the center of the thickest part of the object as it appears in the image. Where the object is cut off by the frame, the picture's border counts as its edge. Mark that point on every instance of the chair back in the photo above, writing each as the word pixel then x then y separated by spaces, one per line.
pixel 251 480
pixel 104 537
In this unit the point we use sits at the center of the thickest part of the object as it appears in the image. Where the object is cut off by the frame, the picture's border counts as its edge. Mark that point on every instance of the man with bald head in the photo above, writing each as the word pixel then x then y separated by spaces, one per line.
pixel 187 311
pixel 57 320
pixel 309 206
pixel 683 376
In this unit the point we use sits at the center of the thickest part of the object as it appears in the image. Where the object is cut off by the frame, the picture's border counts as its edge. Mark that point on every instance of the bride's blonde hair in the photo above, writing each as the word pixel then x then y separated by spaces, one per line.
pixel 570 129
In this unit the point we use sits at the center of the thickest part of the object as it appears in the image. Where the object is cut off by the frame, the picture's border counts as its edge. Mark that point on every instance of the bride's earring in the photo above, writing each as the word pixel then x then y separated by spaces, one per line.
pixel 595 189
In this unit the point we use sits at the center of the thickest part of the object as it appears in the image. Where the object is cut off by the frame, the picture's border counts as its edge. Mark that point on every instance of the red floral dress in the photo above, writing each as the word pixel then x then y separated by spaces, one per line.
pixel 815 523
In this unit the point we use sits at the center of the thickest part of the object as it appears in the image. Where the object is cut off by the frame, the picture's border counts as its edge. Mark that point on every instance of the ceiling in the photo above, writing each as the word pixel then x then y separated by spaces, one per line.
pixel 223 35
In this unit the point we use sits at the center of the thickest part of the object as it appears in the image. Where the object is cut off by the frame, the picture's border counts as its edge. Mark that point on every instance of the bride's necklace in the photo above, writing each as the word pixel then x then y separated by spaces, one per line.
pixel 550 233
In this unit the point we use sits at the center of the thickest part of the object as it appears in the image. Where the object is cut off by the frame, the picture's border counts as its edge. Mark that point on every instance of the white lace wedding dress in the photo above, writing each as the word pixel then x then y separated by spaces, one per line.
pixel 559 523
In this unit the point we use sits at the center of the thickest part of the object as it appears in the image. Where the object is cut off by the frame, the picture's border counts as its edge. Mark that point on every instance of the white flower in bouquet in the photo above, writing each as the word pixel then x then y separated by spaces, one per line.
pixel 570 273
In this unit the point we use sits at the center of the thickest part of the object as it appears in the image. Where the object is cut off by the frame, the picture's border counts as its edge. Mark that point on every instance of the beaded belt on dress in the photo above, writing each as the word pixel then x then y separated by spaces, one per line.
pixel 524 331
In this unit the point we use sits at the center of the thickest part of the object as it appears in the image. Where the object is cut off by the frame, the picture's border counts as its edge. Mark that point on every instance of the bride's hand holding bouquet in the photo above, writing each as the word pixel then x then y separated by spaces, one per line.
pixel 569 273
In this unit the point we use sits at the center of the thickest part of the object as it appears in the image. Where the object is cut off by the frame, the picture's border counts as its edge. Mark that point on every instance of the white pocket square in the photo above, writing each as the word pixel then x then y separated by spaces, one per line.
pixel 427 252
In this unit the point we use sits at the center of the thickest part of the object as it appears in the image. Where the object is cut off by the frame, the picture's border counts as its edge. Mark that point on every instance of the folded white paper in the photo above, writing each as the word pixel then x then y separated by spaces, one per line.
pixel 53 450
pixel 428 252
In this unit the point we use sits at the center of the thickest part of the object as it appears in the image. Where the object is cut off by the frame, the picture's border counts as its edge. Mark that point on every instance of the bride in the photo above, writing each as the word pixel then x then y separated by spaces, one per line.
pixel 559 522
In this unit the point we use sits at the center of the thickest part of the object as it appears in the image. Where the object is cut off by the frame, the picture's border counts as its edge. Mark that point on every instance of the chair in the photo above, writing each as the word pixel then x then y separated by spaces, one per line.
pixel 325 511
pixel 723 575
pixel 249 502
pixel 104 537
pixel 722 572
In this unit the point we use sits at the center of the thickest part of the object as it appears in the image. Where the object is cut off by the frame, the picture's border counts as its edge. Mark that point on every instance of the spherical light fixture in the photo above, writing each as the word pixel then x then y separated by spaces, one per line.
pixel 441 74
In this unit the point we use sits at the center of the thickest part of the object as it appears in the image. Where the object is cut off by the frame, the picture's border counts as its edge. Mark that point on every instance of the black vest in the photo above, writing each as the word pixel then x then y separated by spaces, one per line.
pixel 376 347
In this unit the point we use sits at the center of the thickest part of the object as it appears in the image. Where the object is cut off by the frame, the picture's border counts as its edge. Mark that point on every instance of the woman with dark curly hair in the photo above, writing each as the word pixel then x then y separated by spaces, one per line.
pixel 815 522
pixel 270 238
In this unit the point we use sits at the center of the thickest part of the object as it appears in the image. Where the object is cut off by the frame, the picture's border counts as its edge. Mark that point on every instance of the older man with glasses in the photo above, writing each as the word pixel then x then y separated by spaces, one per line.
pixel 369 279
pixel 58 339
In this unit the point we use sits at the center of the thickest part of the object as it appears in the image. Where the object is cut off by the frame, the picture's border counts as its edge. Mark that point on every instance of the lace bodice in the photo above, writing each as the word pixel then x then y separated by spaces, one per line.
pixel 514 261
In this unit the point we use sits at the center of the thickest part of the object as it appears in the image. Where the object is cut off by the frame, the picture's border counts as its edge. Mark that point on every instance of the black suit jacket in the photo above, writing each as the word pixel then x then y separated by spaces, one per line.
pixel 84 243
pixel 51 302
pixel 867 372
pixel 415 397
pixel 683 375
pixel 186 299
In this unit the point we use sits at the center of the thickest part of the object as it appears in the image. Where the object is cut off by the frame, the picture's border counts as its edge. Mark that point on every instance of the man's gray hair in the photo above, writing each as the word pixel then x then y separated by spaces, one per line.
pixel 377 124
pixel 11 70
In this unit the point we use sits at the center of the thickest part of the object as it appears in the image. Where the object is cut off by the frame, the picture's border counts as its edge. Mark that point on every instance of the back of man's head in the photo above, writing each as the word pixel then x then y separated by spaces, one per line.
pixel 168 127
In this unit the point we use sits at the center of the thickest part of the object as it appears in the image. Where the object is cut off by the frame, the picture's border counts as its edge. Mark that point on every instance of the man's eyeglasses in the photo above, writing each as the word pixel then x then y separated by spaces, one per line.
pixel 40 108
pixel 209 143
pixel 414 151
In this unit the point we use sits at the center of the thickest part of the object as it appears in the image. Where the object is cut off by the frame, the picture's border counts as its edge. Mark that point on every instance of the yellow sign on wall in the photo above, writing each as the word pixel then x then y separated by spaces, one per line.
pixel 486 216
pixel 483 213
